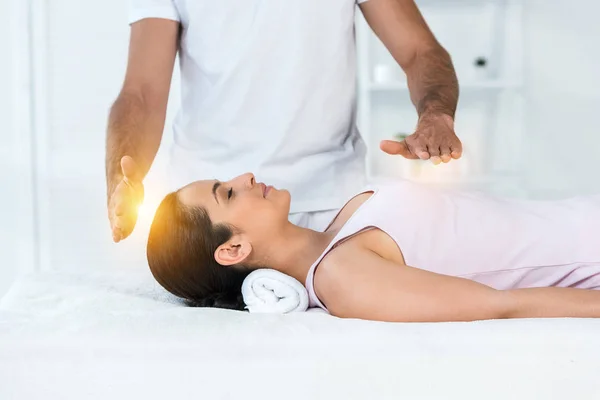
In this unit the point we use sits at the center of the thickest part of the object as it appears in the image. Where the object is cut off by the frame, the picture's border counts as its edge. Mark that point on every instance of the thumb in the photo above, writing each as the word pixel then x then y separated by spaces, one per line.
pixel 130 169
pixel 397 148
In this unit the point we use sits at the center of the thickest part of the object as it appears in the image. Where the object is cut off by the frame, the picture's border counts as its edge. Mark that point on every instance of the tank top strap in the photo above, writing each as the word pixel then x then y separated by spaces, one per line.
pixel 354 225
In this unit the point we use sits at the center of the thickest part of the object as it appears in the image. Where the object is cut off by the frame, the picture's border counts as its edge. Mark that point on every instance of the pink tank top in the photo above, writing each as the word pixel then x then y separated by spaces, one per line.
pixel 500 242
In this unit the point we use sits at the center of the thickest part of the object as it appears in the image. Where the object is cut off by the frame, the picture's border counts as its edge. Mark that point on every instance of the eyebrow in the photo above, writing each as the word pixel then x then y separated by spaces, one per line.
pixel 214 190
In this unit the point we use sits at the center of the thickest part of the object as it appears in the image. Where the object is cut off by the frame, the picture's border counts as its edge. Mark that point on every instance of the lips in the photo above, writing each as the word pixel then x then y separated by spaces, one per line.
pixel 265 189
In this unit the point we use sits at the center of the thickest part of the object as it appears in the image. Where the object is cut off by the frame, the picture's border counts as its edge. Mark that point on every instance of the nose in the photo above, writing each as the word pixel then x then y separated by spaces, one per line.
pixel 246 179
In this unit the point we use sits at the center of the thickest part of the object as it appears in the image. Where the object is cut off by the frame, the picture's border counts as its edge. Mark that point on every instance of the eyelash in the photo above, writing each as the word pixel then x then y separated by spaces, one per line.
pixel 230 193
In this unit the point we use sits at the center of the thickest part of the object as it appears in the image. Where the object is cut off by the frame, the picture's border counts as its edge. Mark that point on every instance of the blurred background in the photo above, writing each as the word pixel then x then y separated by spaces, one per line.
pixel 530 100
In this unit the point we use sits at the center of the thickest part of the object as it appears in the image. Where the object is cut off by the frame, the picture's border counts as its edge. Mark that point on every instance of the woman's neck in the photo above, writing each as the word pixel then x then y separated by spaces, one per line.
pixel 294 250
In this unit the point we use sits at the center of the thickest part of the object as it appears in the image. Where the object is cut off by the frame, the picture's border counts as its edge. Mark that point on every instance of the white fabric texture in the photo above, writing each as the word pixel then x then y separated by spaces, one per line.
pixel 141 9
pixel 267 87
pixel 115 334
pixel 270 291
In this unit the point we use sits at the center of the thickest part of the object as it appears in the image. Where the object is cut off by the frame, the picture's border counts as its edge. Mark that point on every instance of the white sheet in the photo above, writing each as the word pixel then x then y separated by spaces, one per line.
pixel 117 335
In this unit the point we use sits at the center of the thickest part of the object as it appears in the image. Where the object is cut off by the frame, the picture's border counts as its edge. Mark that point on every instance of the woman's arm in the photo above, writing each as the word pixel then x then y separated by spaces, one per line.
pixel 555 302
pixel 358 283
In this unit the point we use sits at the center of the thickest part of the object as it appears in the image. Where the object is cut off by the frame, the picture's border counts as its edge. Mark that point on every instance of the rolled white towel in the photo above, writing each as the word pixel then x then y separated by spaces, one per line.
pixel 270 291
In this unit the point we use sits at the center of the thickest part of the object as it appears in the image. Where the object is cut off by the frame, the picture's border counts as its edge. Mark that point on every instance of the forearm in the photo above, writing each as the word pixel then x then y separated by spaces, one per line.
pixel 135 130
pixel 432 82
pixel 554 303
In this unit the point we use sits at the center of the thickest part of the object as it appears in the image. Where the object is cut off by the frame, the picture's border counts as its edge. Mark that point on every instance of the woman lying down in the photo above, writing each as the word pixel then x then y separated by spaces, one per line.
pixel 395 252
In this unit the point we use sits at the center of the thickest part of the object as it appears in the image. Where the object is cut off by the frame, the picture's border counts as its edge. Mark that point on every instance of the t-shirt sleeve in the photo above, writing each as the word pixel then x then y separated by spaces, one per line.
pixel 360 1
pixel 141 9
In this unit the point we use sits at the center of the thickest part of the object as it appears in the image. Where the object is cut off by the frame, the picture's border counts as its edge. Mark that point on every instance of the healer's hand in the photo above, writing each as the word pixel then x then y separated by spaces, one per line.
pixel 433 139
pixel 125 200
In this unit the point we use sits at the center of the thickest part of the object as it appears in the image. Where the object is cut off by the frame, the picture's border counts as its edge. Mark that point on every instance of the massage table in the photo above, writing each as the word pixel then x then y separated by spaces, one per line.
pixel 116 334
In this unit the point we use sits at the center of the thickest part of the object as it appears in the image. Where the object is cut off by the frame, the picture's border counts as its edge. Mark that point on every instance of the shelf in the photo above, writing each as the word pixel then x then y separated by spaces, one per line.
pixel 492 97
pixel 478 85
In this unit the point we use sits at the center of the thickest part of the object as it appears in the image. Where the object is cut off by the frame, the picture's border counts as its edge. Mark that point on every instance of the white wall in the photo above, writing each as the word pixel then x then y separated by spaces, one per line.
pixel 563 138
pixel 81 61
pixel 7 240
pixel 16 219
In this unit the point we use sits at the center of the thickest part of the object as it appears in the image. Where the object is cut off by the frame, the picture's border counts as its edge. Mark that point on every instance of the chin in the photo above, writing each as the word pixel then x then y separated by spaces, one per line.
pixel 286 200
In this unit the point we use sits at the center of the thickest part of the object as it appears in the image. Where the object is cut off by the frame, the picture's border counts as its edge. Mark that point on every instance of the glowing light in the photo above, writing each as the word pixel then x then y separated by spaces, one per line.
pixel 146 212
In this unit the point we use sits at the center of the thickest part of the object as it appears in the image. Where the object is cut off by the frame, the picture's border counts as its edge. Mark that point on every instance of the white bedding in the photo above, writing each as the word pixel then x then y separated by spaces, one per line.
pixel 116 335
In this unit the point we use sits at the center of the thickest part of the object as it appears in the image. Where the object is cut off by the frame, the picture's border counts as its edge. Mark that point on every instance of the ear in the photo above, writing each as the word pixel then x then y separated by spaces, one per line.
pixel 234 251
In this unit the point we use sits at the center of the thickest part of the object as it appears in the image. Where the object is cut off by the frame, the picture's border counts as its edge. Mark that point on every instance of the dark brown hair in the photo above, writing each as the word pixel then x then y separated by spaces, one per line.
pixel 180 253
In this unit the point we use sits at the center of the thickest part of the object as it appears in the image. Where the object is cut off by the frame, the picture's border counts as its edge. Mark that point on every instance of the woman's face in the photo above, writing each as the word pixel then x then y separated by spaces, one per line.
pixel 254 208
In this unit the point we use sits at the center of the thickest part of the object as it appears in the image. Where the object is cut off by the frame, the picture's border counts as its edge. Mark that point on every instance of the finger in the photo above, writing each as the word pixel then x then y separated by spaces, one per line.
pixel 129 169
pixel 126 231
pixel 119 234
pixel 457 150
pixel 126 223
pixel 125 201
pixel 421 151
pixel 122 208
pixel 116 235
pixel 445 154
pixel 122 220
pixel 434 153
pixel 397 148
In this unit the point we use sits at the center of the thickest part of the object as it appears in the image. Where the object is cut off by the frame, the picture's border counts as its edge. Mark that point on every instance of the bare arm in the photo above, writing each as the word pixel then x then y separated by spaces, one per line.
pixel 137 118
pixel 431 78
pixel 402 29
pixel 361 284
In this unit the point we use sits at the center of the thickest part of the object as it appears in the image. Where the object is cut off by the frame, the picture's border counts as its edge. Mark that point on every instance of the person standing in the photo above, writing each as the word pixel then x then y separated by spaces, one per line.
pixel 268 86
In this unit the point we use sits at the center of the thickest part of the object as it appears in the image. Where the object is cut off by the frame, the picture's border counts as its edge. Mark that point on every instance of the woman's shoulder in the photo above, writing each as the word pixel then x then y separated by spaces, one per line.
pixel 348 271
pixel 354 255
pixel 344 253
pixel 337 270
pixel 372 240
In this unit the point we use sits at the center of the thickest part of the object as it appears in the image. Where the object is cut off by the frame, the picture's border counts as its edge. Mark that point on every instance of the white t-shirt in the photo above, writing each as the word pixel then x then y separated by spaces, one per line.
pixel 268 86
